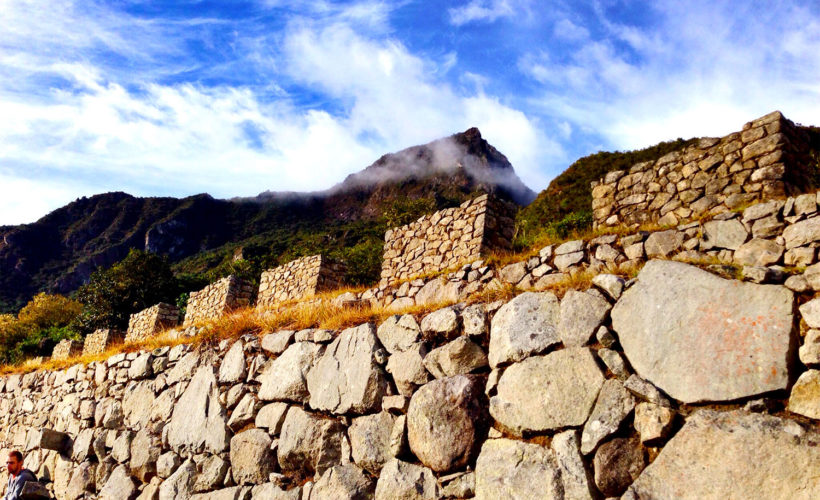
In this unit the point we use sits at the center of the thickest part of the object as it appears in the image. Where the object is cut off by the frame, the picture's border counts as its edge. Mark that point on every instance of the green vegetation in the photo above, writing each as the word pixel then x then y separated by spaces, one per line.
pixel 38 327
pixel 565 206
pixel 140 280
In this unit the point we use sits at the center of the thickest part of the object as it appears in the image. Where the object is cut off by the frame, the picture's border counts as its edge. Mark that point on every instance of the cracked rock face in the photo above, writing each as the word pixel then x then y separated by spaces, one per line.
pixel 199 421
pixel 547 392
pixel 702 338
pixel 347 379
pixel 734 455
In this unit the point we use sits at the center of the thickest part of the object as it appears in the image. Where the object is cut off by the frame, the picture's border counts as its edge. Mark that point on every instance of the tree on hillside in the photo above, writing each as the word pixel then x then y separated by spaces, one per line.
pixel 38 327
pixel 111 295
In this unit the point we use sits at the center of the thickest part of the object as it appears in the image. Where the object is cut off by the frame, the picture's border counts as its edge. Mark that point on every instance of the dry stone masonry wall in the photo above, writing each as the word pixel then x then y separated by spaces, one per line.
pixel 217 299
pixel 447 238
pixel 101 340
pixel 150 321
pixel 769 158
pixel 66 349
pixel 591 395
pixel 298 279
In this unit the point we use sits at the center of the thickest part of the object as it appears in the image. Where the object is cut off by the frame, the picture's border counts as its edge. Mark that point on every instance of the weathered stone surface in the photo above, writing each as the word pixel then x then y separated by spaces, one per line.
pixel 474 318
pixel 233 368
pixel 212 476
pixel 728 234
pixel 370 440
pixel 344 481
pixel 180 485
pixel 513 272
pixel 617 464
pixel 232 493
pixel 137 403
pixel 575 478
pixel 443 322
pixel 523 326
pixel 735 455
pixel 398 333
pixel 244 412
pixel 805 395
pixel 699 337
pixel 802 233
pixel 547 392
pixel 614 404
pixel 458 357
pixel 167 463
pixel 663 243
pixel 145 450
pixel 405 481
pixel 438 291
pixel 271 417
pixel 646 391
pixel 407 368
pixel 271 491
pixel 309 443
pixel 119 486
pixel 809 352
pixel 513 469
pixel 614 362
pixel 611 284
pixel 251 457
pixel 565 261
pixel 277 342
pixel 347 379
pixel 285 378
pixel 49 439
pixel 446 421
pixel 653 422
pixel 198 422
pixel 82 482
pixel 758 252
pixel 141 367
pixel 810 311
pixel 581 314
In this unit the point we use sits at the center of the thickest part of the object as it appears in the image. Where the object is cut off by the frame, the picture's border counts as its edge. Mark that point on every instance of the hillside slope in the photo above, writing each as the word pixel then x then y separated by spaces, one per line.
pixel 201 234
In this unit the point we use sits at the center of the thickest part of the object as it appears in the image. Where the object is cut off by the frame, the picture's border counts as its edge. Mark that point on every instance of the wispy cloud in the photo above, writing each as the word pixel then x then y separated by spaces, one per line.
pixel 486 11
pixel 695 69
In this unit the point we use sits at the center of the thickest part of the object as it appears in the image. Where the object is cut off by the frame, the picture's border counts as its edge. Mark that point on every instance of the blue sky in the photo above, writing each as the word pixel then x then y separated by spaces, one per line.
pixel 234 98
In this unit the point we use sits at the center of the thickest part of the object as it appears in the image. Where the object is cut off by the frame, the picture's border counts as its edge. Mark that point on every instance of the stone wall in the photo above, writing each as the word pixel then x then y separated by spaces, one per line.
pixel 148 322
pixel 457 403
pixel 298 279
pixel 769 158
pixel 217 299
pixel 99 341
pixel 66 348
pixel 448 238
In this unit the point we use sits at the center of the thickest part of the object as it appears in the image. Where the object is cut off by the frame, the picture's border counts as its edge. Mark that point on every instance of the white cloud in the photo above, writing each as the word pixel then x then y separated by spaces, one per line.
pixel 696 69
pixel 392 97
pixel 121 131
pixel 567 30
pixel 485 11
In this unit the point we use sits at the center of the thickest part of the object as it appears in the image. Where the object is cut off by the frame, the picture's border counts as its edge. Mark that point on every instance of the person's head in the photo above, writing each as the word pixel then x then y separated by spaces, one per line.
pixel 14 464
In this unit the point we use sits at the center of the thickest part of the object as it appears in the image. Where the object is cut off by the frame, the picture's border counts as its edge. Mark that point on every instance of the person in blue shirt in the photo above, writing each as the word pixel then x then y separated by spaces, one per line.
pixel 18 476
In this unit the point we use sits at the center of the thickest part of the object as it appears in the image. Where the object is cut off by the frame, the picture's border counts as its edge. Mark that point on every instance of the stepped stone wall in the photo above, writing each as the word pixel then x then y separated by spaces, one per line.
pixel 67 348
pixel 152 320
pixel 298 279
pixel 448 238
pixel 99 341
pixel 452 404
pixel 769 158
pixel 217 299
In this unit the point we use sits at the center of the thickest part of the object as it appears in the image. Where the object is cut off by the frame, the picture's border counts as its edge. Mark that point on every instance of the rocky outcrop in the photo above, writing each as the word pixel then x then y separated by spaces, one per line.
pixel 734 455
pixel 700 338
